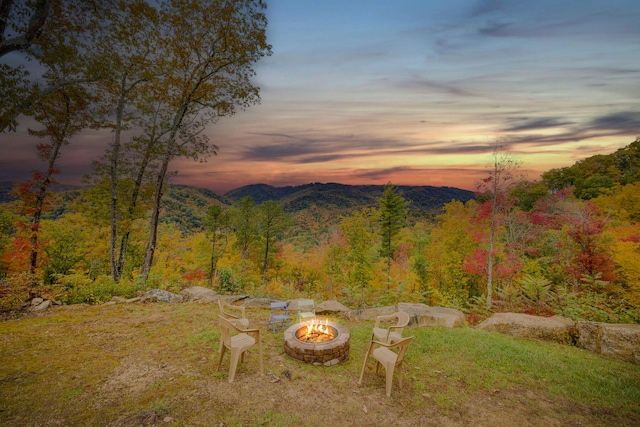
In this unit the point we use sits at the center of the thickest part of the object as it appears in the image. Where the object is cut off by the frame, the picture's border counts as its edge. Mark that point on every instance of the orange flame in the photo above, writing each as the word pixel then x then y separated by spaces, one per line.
pixel 317 327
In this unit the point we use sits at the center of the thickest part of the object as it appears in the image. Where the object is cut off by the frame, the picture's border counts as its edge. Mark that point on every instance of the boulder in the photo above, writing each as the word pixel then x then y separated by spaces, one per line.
pixel 36 301
pixel 200 294
pixel 556 328
pixel 42 306
pixel 425 315
pixel 620 341
pixel 162 295
pixel 370 313
pixel 331 306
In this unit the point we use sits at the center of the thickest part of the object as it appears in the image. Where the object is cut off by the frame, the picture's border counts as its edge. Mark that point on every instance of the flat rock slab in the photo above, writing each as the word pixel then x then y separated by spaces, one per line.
pixel 200 294
pixel 425 315
pixel 162 295
pixel 370 313
pixel 331 306
pixel 556 328
pixel 208 296
pixel 620 341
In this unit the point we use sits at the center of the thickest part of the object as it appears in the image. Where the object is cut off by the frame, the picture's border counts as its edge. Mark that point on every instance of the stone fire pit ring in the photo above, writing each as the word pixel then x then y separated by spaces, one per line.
pixel 327 353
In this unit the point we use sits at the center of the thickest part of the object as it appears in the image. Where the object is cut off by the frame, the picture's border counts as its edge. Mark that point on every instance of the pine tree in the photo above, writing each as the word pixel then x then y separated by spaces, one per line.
pixel 393 213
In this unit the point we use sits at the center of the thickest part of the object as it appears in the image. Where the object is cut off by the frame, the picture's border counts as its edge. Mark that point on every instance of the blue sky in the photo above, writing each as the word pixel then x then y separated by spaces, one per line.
pixel 417 92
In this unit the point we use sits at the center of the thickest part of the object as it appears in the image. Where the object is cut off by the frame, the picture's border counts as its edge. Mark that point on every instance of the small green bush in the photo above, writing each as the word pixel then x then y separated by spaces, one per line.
pixel 80 289
pixel 227 281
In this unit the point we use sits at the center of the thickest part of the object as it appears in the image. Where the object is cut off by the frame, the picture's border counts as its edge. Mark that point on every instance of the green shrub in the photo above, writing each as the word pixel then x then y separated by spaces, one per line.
pixel 227 281
pixel 594 306
pixel 80 289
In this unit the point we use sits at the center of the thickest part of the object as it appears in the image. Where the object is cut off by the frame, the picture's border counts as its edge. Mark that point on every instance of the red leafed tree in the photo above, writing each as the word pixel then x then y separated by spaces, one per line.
pixel 62 114
pixel 585 229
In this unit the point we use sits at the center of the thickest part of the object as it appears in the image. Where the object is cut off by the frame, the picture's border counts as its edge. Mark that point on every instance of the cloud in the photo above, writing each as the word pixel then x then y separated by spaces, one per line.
pixel 487 7
pixel 417 83
pixel 535 124
pixel 624 121
pixel 318 148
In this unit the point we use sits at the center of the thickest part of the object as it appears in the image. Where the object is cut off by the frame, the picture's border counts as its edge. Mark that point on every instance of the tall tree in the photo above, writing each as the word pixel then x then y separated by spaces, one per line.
pixel 207 75
pixel 393 214
pixel 334 247
pixel 358 233
pixel 419 262
pixel 217 225
pixel 451 242
pixel 129 52
pixel 495 188
pixel 272 222
pixel 63 114
pixel 244 224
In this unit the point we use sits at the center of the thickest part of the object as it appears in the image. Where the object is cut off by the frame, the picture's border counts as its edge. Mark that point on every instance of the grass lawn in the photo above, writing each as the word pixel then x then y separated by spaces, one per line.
pixel 143 364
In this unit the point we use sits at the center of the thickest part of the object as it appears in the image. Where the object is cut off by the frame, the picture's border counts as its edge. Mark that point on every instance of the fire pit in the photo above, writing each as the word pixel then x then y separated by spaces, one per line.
pixel 320 342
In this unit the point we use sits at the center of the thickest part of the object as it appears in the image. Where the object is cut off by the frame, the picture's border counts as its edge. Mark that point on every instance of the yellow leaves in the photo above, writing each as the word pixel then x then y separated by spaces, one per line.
pixel 626 253
pixel 623 204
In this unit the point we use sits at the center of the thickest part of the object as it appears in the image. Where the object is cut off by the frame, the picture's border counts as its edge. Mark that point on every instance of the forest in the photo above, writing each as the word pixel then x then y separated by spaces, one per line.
pixel 567 244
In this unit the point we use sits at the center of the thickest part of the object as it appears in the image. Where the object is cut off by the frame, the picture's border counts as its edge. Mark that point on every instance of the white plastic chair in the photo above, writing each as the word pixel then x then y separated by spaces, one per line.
pixel 237 341
pixel 239 318
pixel 306 310
pixel 385 356
pixel 392 333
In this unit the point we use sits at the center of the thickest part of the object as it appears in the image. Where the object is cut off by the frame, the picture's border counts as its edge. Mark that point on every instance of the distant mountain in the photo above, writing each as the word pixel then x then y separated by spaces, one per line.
pixel 311 205
pixel 187 206
pixel 6 187
pixel 344 197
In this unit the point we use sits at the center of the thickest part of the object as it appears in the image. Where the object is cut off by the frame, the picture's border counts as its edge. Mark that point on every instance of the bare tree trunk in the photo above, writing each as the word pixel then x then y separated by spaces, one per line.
pixel 155 216
pixel 115 156
pixel 492 228
pixel 146 160
pixel 37 214
pixel 264 262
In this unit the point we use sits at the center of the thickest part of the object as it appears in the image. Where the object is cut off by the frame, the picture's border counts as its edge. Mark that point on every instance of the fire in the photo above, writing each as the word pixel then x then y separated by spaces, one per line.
pixel 318 332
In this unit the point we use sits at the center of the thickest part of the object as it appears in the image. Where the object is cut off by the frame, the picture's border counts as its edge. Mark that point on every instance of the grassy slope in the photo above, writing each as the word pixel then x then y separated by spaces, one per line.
pixel 128 365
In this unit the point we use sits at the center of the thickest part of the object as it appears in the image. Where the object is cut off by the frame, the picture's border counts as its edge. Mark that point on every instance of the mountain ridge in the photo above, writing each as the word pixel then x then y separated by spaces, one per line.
pixel 295 198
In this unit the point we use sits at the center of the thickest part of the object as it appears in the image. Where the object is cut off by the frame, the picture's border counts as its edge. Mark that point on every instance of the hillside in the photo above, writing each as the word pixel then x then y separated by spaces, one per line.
pixel 335 196
pixel 186 206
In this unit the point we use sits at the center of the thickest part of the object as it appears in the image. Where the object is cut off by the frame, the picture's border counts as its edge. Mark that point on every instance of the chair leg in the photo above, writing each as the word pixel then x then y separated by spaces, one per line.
pixel 399 367
pixel 389 375
pixel 235 355
pixel 222 350
pixel 260 355
pixel 364 365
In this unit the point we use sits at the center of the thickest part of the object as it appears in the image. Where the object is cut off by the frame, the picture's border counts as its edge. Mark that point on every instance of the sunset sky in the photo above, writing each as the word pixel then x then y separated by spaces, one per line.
pixel 414 92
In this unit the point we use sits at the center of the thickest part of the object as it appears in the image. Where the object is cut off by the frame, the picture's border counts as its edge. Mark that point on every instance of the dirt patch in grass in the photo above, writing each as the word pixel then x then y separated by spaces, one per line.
pixel 146 364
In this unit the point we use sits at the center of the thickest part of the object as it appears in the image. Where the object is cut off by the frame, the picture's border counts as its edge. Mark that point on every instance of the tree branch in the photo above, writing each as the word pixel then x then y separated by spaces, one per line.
pixel 35 28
